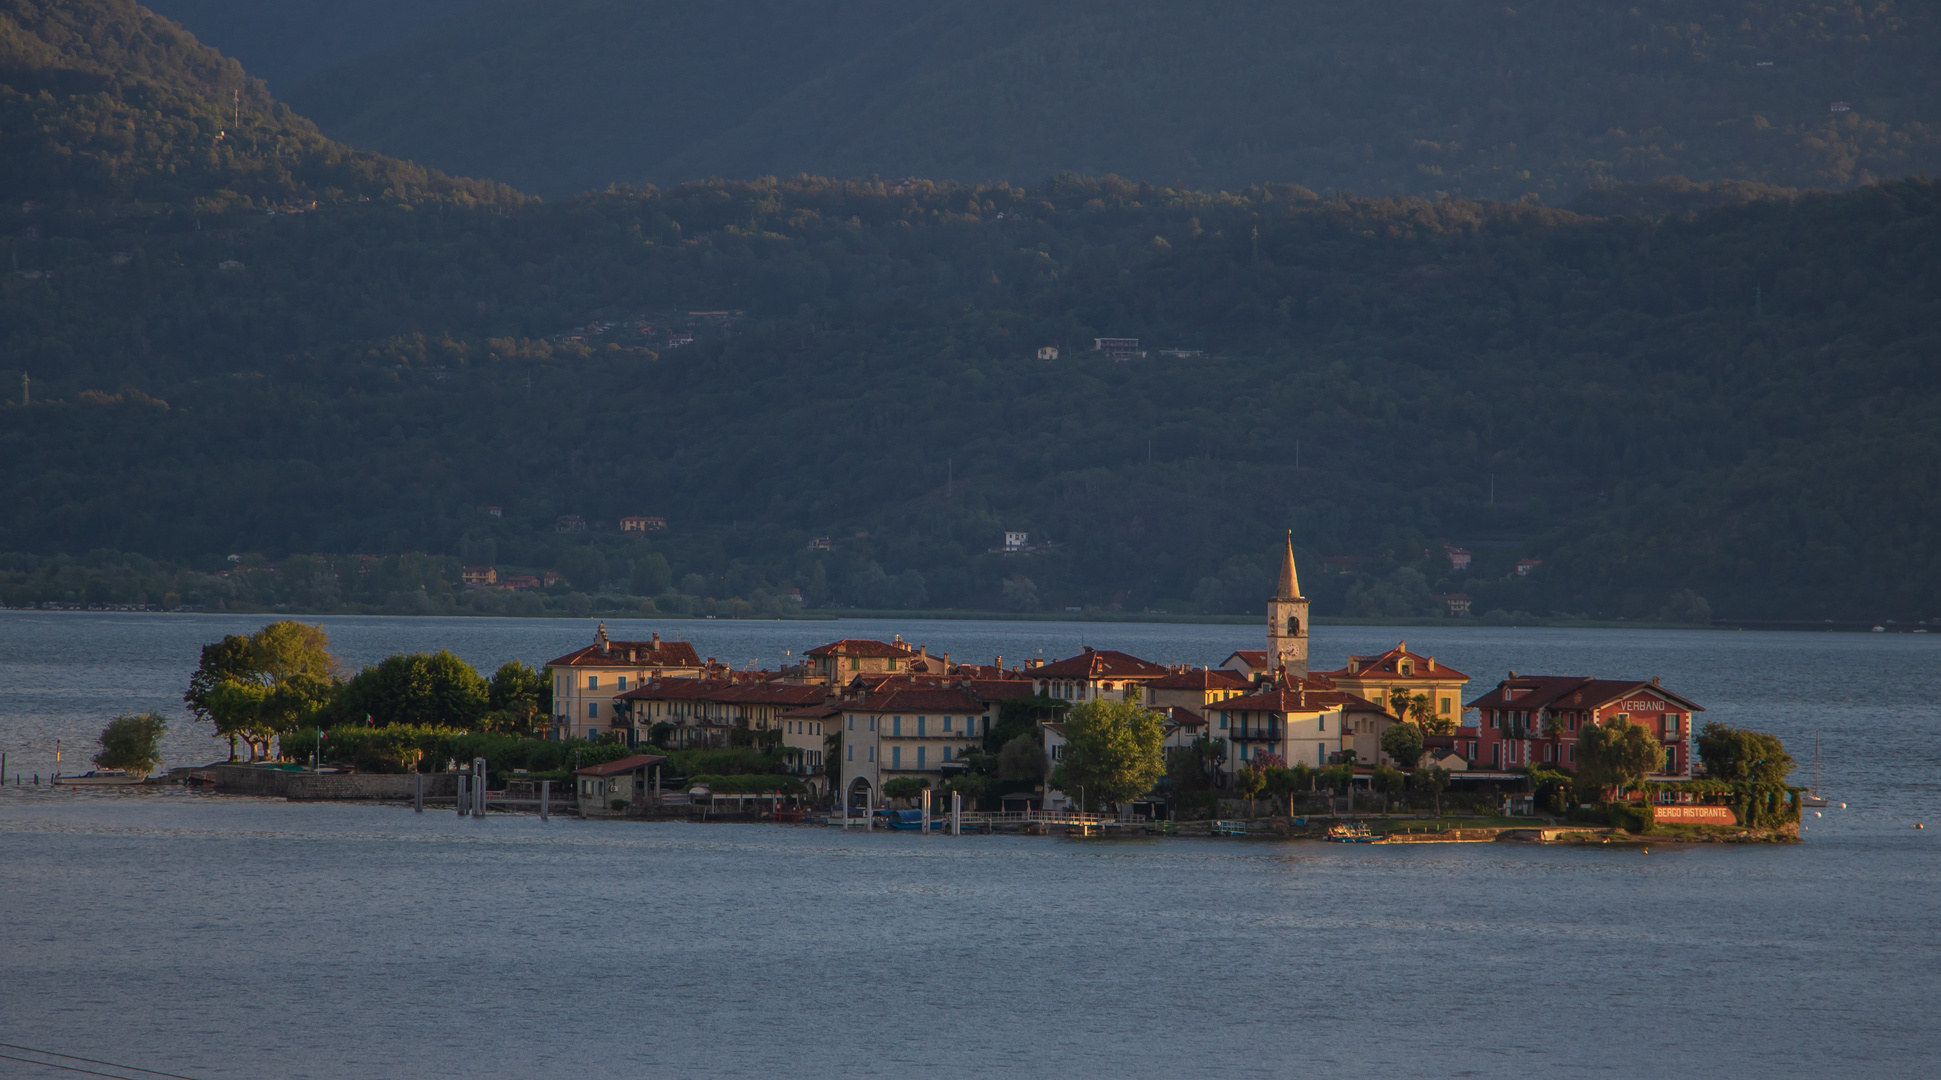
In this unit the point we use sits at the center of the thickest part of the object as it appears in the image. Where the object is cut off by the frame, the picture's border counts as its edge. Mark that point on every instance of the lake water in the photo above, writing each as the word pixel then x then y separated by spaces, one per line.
pixel 223 937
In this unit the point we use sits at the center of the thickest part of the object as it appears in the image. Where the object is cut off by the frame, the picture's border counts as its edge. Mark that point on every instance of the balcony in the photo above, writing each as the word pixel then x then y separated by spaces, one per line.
pixel 1250 735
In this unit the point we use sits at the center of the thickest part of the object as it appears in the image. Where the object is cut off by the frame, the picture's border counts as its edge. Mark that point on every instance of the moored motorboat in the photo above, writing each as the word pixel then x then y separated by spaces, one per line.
pixel 1351 833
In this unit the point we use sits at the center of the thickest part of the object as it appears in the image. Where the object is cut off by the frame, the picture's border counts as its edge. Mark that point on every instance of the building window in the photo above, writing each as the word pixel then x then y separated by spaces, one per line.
pixel 872 753
pixel 1573 755
pixel 852 723
pixel 1671 723
pixel 1445 704
pixel 1495 755
pixel 1320 753
pixel 855 663
pixel 592 682
pixel 592 710
pixel 1322 721
pixel 896 757
pixel 851 755
pixel 872 723
pixel 896 725
pixel 1223 721
pixel 591 734
pixel 946 753
pixel 946 725
pixel 920 757
pixel 920 726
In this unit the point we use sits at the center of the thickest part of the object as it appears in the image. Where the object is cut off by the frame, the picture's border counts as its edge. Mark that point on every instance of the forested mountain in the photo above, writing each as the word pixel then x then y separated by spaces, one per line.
pixel 1479 100
pixel 1681 397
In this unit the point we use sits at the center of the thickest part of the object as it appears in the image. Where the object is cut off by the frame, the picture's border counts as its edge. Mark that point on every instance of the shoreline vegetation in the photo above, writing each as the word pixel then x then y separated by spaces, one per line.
pixel 1494 620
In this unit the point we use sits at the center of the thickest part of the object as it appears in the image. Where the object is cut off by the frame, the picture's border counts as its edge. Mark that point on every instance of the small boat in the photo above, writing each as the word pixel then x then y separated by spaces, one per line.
pixel 99 778
pixel 1352 833
pixel 904 819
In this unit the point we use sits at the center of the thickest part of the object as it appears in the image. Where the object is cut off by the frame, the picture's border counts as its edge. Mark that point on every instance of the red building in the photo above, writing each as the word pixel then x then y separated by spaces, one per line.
pixel 1536 719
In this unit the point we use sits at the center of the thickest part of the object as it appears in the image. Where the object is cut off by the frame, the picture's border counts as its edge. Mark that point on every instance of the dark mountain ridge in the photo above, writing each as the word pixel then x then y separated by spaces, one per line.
pixel 1699 397
pixel 1478 100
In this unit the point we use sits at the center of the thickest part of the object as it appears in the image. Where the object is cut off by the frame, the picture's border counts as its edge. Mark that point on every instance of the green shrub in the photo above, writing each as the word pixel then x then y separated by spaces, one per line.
pixel 750 784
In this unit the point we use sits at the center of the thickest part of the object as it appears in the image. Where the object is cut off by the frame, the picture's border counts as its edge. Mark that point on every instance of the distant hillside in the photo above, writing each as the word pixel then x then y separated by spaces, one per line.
pixel 1390 96
pixel 102 104
pixel 1691 399
pixel 283 41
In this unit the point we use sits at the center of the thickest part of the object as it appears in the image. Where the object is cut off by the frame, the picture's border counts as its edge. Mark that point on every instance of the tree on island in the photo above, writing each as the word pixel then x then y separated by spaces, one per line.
pixel 1433 779
pixel 1420 710
pixel 1114 752
pixel 1247 782
pixel 414 688
pixel 132 742
pixel 1737 755
pixel 1616 756
pixel 258 686
pixel 905 787
pixel 518 698
pixel 1403 742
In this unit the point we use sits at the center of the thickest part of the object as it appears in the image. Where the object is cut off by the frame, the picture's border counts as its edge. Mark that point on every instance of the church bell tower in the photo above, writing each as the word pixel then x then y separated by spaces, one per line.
pixel 1287 620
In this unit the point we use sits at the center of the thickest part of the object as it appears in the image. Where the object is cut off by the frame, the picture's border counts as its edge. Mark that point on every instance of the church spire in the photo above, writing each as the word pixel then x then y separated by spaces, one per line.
pixel 1290 581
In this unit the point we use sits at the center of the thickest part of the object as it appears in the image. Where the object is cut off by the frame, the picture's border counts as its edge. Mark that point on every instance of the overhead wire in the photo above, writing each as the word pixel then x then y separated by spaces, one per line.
pixel 91 1061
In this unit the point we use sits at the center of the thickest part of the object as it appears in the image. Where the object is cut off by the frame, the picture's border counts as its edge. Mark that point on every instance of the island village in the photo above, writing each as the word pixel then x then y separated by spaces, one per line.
pixel 864 723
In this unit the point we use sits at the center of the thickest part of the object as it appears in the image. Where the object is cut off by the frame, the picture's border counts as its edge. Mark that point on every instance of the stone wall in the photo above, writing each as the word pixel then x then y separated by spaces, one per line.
pixel 302 786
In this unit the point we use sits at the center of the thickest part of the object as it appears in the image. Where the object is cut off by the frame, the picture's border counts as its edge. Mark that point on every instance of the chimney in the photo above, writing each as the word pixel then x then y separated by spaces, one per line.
pixel 1654 680
pixel 1432 663
pixel 998 662
pixel 657 639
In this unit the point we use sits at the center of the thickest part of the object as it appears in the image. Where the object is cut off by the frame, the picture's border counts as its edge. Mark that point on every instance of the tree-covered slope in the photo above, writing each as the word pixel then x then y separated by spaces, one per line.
pixel 1683 395
pixel 104 104
pixel 1473 99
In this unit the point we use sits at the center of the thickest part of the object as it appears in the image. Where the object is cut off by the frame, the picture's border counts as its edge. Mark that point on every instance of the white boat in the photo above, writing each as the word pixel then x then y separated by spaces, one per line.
pixel 99 778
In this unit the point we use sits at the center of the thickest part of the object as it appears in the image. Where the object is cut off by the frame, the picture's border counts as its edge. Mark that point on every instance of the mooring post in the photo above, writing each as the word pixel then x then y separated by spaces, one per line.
pixel 462 793
pixel 545 799
pixel 418 791
pixel 926 811
pixel 869 811
pixel 478 766
pixel 956 813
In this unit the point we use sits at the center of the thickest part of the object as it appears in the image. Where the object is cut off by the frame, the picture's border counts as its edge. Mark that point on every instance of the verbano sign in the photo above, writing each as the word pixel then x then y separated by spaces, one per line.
pixel 1693 815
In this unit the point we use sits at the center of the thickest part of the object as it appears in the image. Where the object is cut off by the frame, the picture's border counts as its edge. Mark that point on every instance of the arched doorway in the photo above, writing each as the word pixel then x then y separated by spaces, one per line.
pixel 859 792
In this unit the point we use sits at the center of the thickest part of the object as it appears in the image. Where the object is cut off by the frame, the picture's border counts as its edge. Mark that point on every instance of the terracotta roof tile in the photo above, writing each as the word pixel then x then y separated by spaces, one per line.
pixel 1201 679
pixel 1387 666
pixel 672 654
pixel 1099 664
pixel 861 647
pixel 625 764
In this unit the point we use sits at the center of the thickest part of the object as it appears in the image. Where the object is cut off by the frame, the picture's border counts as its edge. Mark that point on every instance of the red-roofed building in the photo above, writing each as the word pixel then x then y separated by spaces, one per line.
pixel 1377 677
pixel 907 730
pixel 628 781
pixel 1195 688
pixel 1305 721
pixel 1536 719
pixel 805 735
pixel 704 710
pixel 587 681
pixel 1095 674
pixel 1251 663
pixel 478 577
pixel 835 662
